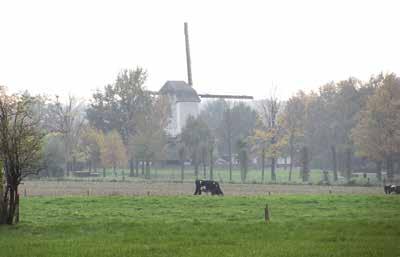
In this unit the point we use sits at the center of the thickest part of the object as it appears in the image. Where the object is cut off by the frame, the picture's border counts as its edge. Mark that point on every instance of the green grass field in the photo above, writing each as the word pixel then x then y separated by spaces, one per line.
pixel 222 175
pixel 205 226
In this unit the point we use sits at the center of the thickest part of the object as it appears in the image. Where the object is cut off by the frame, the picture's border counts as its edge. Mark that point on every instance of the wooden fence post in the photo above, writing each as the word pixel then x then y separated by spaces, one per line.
pixel 266 213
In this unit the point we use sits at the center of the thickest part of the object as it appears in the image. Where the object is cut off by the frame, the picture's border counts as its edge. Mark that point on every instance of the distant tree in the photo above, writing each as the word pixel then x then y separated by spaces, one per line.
pixel 193 135
pixel 53 155
pixel 377 135
pixel 116 106
pixel 269 115
pixel 67 119
pixel 21 143
pixel 260 141
pixel 292 122
pixel 243 157
pixel 348 105
pixel 229 123
pixel 150 139
pixel 121 106
pixel 92 142
pixel 181 156
pixel 3 209
pixel 113 154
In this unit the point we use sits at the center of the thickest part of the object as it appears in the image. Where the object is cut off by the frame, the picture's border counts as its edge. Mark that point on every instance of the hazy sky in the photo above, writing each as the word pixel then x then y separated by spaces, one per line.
pixel 238 47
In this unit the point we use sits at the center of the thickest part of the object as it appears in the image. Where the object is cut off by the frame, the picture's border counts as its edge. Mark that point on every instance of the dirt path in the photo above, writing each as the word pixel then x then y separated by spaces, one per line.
pixel 54 188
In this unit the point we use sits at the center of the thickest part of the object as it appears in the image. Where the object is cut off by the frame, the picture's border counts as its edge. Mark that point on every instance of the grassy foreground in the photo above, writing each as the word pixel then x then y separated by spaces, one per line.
pixel 205 226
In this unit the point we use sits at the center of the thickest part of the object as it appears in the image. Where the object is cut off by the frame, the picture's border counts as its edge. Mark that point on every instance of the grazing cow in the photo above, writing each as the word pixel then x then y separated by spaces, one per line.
pixel 392 189
pixel 207 186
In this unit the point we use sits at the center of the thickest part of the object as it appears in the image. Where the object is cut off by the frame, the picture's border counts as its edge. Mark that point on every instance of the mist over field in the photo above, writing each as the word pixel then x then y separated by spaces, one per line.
pixel 229 128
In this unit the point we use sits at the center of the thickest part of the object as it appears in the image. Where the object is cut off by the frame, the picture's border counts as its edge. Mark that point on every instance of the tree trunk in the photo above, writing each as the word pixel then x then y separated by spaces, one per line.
pixel 211 152
pixel 73 168
pixel 285 166
pixel 131 171
pixel 147 169
pixel 379 170
pixel 196 165
pixel 204 164
pixel 142 168
pixel 11 203
pixel 90 165
pixel 389 167
pixel 334 163
pixel 273 166
pixel 230 158
pixel 2 201
pixel 243 165
pixel 104 172
pixel 137 168
pixel 291 153
pixel 348 163
pixel 263 165
pixel 115 169
pixel 182 169
pixel 305 166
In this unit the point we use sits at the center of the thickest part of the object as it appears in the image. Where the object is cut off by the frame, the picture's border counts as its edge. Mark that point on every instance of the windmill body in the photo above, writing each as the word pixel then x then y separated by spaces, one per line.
pixel 184 102
pixel 183 97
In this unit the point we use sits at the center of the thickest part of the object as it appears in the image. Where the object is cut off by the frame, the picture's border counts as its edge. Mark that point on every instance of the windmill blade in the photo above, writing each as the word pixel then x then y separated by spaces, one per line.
pixel 227 96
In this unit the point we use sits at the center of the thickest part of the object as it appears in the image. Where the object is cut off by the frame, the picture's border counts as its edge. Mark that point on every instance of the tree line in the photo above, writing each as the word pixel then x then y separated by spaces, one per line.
pixel 342 127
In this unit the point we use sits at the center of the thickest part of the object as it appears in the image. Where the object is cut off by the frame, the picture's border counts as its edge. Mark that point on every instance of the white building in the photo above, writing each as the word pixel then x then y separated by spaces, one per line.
pixel 184 103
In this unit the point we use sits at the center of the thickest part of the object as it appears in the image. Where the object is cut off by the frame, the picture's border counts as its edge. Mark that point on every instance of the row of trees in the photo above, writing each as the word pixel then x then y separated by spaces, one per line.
pixel 344 126
pixel 329 129
pixel 123 124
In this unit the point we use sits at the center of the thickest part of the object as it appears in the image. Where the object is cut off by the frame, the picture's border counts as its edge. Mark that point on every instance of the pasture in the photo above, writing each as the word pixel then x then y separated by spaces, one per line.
pixel 221 174
pixel 307 225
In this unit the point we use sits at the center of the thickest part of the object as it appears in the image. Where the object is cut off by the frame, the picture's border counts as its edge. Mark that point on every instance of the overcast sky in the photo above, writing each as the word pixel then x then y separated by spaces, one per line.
pixel 238 47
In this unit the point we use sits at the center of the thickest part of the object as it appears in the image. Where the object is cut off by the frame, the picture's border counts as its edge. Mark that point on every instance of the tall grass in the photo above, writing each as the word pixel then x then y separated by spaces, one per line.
pixel 205 226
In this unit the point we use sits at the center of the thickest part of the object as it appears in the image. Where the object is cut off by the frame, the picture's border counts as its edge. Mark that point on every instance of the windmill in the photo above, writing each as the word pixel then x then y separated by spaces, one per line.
pixel 183 97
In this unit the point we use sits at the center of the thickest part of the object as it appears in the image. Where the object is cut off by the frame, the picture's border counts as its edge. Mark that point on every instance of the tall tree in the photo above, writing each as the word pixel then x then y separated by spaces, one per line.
pixel 243 157
pixel 229 122
pixel 53 155
pixel 21 142
pixel 118 105
pixel 269 116
pixel 113 154
pixel 66 119
pixel 377 135
pixel 292 122
pixel 92 141
pixel 121 105
pixel 193 135
pixel 150 139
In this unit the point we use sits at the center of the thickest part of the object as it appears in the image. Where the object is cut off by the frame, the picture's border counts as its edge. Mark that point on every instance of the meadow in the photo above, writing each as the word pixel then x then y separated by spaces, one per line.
pixel 308 225
pixel 221 174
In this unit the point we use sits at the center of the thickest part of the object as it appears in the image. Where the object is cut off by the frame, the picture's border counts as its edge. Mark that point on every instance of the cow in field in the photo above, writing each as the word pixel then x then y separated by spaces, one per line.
pixel 391 189
pixel 207 186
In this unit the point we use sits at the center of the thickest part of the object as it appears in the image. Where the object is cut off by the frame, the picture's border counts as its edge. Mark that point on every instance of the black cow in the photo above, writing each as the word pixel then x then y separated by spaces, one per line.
pixel 207 186
pixel 392 189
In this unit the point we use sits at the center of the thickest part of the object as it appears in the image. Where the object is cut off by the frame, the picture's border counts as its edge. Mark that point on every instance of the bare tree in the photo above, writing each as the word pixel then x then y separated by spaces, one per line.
pixel 20 140
pixel 67 119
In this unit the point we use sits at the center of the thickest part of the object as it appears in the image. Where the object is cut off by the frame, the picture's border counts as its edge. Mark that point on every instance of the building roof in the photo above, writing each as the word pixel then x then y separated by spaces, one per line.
pixel 182 91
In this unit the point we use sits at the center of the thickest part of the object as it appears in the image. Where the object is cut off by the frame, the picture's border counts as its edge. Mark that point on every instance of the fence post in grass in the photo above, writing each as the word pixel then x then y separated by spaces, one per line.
pixel 25 194
pixel 266 214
